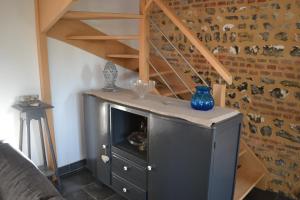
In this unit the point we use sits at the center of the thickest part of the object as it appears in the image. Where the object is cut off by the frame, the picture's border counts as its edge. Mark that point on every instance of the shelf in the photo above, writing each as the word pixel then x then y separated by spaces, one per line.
pixel 133 150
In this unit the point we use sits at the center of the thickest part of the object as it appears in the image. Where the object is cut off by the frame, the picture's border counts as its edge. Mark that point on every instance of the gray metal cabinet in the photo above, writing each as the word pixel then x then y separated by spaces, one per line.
pixel 192 162
pixel 180 158
pixel 183 160
pixel 96 126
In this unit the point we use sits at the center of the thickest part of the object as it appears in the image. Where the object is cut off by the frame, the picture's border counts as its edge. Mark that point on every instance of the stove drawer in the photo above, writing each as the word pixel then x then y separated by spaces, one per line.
pixel 127 189
pixel 129 171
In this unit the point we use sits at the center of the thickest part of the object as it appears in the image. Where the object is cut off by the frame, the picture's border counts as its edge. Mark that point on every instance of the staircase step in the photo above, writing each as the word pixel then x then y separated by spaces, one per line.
pixel 152 75
pixel 81 15
pixel 246 179
pixel 104 37
pixel 126 56
pixel 64 28
pixel 166 92
pixel 242 150
pixel 173 82
pixel 177 92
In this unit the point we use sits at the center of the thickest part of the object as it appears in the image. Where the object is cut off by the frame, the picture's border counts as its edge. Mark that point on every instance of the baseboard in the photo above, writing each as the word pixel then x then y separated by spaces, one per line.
pixel 71 168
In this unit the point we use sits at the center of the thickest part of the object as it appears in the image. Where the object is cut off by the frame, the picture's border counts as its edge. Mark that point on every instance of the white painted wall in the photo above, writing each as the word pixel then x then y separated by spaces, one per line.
pixel 71 69
pixel 18 64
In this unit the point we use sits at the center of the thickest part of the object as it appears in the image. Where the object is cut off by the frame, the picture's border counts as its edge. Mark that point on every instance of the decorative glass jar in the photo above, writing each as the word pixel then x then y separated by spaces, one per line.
pixel 202 99
pixel 141 88
pixel 110 74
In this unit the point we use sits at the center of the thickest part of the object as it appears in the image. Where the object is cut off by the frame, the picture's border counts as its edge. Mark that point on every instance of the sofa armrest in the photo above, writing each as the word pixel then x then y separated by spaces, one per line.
pixel 20 179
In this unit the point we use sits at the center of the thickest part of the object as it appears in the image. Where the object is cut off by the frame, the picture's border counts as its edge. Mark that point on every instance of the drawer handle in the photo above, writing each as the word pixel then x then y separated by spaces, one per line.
pixel 124 190
pixel 149 168
pixel 104 157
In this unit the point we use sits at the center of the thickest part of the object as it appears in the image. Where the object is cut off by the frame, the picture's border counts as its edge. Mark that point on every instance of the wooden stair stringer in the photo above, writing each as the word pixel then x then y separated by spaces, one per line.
pixel 64 28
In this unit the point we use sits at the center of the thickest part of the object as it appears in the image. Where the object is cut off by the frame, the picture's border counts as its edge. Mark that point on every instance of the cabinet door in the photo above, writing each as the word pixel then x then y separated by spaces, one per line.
pixel 96 123
pixel 180 159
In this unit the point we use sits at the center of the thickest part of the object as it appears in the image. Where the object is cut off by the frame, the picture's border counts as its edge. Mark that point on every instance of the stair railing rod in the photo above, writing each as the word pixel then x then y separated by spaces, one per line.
pixel 163 79
pixel 164 58
pixel 179 52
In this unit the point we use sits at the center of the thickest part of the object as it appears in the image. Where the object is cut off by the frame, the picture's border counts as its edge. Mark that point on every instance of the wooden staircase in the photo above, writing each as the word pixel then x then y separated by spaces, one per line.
pixel 250 172
pixel 66 26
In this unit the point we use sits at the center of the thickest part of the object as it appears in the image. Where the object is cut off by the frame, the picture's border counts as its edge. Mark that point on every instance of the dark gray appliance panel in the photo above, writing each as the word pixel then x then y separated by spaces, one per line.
pixel 126 189
pixel 91 131
pixel 180 158
pixel 129 171
pixel 96 120
pixel 225 158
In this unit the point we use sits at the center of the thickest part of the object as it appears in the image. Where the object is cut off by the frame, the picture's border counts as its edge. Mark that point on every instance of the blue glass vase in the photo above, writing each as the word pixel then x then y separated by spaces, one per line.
pixel 202 99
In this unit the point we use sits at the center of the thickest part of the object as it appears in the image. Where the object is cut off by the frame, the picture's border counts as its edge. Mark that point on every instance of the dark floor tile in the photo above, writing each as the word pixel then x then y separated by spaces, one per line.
pixel 76 181
pixel 115 197
pixel 78 195
pixel 257 194
pixel 98 191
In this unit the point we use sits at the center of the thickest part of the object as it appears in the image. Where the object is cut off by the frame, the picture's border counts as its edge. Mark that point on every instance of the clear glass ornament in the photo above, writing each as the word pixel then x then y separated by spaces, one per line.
pixel 110 74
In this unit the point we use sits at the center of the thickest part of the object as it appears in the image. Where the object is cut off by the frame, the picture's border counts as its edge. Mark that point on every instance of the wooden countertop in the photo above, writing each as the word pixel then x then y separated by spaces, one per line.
pixel 166 106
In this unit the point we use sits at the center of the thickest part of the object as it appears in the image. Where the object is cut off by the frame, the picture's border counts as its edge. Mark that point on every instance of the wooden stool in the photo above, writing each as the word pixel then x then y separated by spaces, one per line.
pixel 28 113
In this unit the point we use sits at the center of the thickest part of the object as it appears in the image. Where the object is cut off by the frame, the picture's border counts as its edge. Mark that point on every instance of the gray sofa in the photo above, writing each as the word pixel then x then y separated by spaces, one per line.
pixel 21 180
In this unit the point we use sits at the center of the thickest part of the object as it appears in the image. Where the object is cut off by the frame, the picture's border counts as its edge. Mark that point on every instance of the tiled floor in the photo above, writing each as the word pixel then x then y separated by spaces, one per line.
pixel 82 186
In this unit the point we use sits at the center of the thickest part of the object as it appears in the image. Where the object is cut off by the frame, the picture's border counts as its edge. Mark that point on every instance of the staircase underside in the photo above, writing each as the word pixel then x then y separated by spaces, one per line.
pixel 65 28
pixel 118 53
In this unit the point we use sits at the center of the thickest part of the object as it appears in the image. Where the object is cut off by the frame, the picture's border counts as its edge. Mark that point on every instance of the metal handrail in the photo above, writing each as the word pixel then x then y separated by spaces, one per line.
pixel 164 58
pixel 185 30
pixel 163 79
pixel 178 51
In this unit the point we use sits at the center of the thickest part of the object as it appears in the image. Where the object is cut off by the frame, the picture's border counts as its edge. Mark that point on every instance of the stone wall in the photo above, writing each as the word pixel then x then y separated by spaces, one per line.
pixel 259 43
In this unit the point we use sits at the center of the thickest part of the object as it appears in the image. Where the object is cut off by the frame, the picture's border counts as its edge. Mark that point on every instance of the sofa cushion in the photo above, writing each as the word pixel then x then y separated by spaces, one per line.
pixel 20 179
